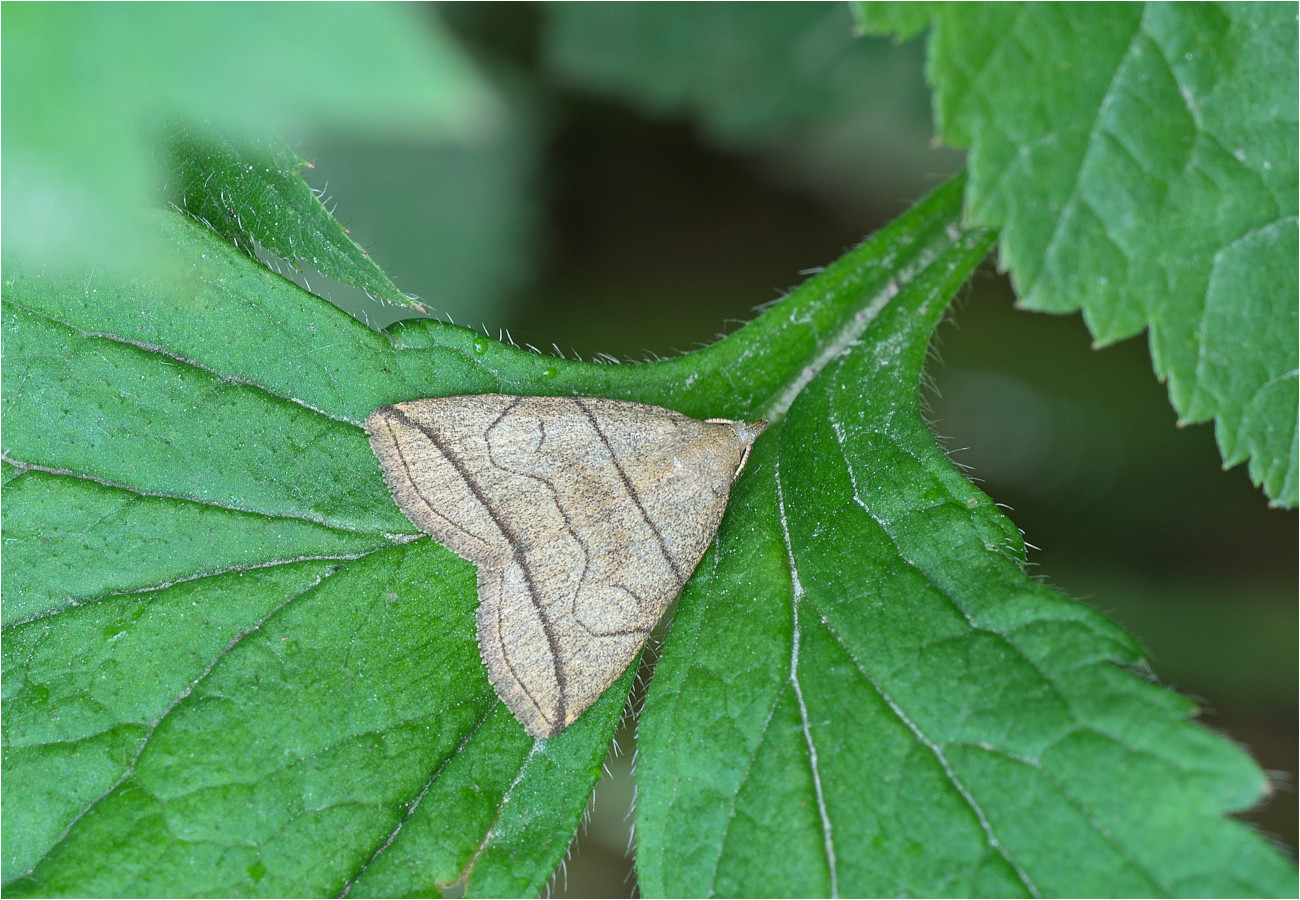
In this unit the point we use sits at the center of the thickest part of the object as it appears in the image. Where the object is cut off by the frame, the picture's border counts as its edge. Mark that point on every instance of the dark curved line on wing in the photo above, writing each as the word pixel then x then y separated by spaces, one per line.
pixel 513 540
pixel 631 491
pixel 618 632
pixel 555 498
pixel 415 485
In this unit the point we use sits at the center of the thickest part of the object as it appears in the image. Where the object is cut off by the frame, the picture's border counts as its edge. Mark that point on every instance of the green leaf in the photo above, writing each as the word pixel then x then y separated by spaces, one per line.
pixel 862 676
pixel 1141 161
pixel 252 194
pixel 90 84
pixel 228 668
pixel 232 666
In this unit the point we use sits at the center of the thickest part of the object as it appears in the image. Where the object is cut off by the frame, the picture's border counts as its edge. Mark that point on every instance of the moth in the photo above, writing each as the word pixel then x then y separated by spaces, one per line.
pixel 585 517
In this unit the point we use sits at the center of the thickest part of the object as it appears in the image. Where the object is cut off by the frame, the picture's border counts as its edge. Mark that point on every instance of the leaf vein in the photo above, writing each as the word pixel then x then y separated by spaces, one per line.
pixel 130 768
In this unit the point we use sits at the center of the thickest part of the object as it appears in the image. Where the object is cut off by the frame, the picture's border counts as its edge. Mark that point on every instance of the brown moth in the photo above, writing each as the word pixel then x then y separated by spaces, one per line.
pixel 584 516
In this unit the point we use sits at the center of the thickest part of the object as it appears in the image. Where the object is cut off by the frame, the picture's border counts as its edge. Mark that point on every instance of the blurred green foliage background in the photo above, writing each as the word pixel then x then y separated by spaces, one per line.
pixel 631 180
